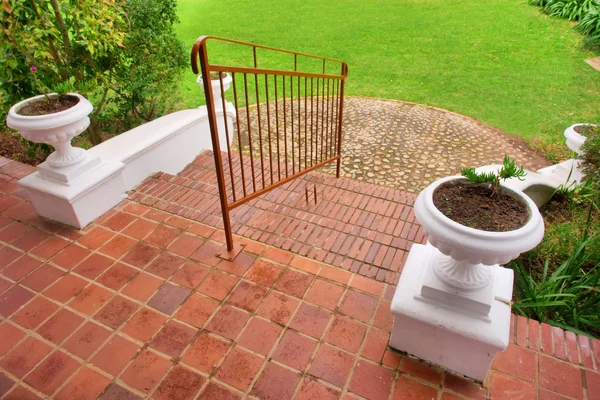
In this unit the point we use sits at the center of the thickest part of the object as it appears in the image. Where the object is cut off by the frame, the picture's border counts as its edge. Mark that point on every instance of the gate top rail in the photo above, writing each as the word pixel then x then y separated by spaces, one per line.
pixel 202 41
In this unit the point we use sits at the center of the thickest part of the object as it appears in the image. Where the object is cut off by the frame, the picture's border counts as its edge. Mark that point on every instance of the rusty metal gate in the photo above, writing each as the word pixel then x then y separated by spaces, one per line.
pixel 291 121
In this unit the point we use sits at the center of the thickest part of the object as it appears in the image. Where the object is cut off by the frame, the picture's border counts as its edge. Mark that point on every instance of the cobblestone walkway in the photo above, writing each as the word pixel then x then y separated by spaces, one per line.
pixel 407 146
pixel 138 306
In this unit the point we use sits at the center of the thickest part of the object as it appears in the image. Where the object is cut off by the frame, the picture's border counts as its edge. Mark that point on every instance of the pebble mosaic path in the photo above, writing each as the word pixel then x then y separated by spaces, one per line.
pixel 138 306
pixel 407 146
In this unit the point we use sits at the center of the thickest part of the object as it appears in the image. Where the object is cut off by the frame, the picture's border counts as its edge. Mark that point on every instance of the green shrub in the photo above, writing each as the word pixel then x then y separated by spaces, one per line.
pixel 573 10
pixel 122 55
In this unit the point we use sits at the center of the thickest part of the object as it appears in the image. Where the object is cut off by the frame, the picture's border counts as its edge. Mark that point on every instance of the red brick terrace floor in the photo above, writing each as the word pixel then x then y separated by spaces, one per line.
pixel 138 306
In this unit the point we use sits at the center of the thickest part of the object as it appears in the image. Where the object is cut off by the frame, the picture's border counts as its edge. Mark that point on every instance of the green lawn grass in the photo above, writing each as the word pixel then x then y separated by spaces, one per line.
pixel 502 62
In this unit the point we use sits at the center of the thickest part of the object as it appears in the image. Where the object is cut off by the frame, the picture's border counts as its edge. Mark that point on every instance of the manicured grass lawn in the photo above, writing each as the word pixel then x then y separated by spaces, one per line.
pixel 499 61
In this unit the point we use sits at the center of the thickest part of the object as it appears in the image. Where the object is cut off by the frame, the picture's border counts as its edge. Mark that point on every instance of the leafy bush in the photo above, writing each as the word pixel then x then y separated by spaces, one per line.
pixel 590 24
pixel 568 297
pixel 121 55
pixel 573 10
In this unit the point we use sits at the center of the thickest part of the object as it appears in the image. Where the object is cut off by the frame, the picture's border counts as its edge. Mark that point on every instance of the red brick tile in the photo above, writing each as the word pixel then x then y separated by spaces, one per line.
pixel 391 358
pixel 115 355
pixel 168 298
pixel 93 266
pixel 7 202
pixel 42 277
pixel 572 351
pixel 383 316
pixel 11 335
pixel 464 387
pixel 593 385
pixel 260 335
pixel 87 384
pixel 205 353
pixel 264 273
pixel 207 254
pixel 238 266
pixel 13 299
pixel 407 389
pixel 119 221
pixel 358 305
pixel 20 360
pixel 190 275
pixel 247 296
pixel 21 393
pixel 162 236
pixel 49 247
pixel 87 340
pixel 332 365
pixel 547 395
pixel 196 310
pixel 560 377
pixel 517 361
pixel 146 371
pixel 116 392
pixel 142 286
pixel 118 246
pixel 181 383
pixel 4 284
pixel 421 370
pixel 310 320
pixel 141 255
pixel 450 396
pixel 178 222
pixel 90 299
pixel 185 245
pixel 96 238
pixel 173 338
pixel 294 283
pixel 13 231
pixel 346 333
pixel 30 239
pixel 375 345
pixel 276 383
pixel 156 215
pixel 34 313
pixel 312 389
pixel 295 350
pixel 217 392
pixel 306 264
pixel 21 267
pixel 70 256
pixel 65 288
pixel 239 368
pixel 324 294
pixel 504 387
pixel 367 285
pixel 140 228
pixel 228 322
pixel 165 265
pixel 335 274
pixel 116 312
pixel 144 324
pixel 52 372
pixel 559 343
pixel 135 208
pixel 8 255
pixel 522 326
pixel 277 255
pixel 585 351
pixel 117 276
pixel 59 326
pixel 217 285
pixel 371 381
pixel 278 308
pixel 201 230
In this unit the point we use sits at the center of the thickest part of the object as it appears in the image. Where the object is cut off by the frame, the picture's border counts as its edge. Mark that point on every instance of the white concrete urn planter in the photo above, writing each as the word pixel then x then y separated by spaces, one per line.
pixel 574 139
pixel 216 88
pixel 452 303
pixel 56 129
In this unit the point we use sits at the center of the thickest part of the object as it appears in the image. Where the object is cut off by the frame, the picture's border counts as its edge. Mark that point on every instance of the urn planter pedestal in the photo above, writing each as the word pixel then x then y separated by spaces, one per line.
pixel 61 189
pixel 452 303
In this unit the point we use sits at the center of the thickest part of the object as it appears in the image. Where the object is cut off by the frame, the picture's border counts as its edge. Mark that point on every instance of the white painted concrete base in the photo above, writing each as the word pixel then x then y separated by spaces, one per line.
pixel 434 326
pixel 78 194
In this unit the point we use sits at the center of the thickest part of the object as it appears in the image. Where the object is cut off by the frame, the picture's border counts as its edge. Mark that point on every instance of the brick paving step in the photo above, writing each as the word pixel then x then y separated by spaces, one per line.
pixel 361 227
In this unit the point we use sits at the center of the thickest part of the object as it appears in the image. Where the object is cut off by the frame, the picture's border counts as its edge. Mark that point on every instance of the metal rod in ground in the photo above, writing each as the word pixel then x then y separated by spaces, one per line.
pixel 315 192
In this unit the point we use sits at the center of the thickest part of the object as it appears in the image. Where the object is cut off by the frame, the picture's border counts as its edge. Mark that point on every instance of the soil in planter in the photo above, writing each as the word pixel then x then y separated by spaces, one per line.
pixel 477 206
pixel 215 75
pixel 585 130
pixel 46 106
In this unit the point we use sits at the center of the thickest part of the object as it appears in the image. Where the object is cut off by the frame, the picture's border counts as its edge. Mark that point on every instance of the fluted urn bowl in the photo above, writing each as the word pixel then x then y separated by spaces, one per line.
pixel 473 246
pixel 574 139
pixel 56 129
pixel 216 85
